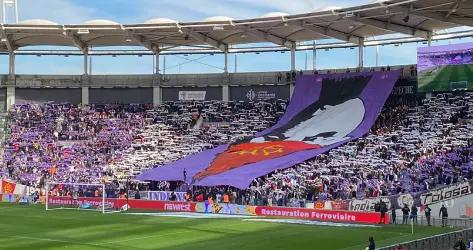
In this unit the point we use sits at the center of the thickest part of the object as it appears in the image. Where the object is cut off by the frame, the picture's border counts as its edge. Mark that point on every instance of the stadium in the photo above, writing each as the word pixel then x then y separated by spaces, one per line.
pixel 263 125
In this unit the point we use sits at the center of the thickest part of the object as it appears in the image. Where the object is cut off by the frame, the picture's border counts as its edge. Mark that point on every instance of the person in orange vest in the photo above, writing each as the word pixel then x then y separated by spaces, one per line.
pixel 226 198
pixel 97 193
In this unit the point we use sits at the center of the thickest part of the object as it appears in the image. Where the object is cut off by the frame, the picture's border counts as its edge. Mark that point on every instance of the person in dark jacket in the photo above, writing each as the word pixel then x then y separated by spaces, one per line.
pixel 427 211
pixel 371 245
pixel 405 214
pixel 393 215
pixel 382 209
pixel 414 214
pixel 172 197
pixel 443 213
pixel 460 245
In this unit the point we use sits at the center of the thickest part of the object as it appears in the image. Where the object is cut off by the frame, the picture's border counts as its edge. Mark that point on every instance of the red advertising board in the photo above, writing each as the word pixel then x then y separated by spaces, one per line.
pixel 134 204
pixel 285 212
pixel 321 215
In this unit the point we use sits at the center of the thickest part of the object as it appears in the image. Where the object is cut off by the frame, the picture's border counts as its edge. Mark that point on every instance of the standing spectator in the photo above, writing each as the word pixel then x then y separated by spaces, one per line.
pixel 184 172
pixel 471 244
pixel 393 215
pixel 371 245
pixel 382 209
pixel 294 75
pixel 444 214
pixel 413 70
pixel 172 197
pixel 279 76
pixel 414 214
pixel 405 214
pixel 288 76
pixel 427 211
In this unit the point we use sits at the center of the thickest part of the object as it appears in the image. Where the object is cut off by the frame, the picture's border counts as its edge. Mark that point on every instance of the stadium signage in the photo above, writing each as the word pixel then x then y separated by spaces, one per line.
pixel 258 95
pixel 446 193
pixel 118 203
pixel 367 204
pixel 181 207
pixel 192 95
pixel 404 90
pixel 164 195
pixel 320 215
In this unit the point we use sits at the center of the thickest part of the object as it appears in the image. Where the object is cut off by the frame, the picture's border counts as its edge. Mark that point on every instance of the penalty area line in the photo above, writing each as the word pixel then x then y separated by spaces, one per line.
pixel 146 237
pixel 53 240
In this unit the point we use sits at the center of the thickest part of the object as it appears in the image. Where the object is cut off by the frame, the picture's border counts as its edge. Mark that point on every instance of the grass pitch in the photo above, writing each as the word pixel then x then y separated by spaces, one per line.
pixel 31 227
pixel 440 79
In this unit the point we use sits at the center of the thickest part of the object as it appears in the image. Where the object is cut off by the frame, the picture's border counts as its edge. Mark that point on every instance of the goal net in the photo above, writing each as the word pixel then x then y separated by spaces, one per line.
pixel 83 196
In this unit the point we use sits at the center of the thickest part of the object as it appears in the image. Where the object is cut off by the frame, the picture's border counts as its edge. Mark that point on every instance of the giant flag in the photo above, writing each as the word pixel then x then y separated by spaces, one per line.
pixel 325 112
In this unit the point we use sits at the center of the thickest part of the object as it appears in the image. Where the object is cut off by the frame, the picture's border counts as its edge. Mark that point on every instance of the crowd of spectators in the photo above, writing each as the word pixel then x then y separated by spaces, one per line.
pixel 415 145
pixel 411 148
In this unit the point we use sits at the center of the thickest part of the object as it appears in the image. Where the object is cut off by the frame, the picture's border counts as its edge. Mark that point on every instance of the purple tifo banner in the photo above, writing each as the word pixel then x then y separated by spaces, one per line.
pixel 325 112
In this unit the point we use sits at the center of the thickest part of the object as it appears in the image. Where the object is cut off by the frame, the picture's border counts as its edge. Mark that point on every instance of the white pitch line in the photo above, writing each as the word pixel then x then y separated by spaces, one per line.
pixel 52 240
pixel 146 237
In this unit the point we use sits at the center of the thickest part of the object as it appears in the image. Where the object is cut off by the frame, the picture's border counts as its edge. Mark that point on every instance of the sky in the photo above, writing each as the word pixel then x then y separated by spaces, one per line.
pixel 138 11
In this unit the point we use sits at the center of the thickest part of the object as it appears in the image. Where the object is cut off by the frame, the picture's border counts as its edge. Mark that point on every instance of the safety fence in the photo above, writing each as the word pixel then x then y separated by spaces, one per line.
pixel 438 242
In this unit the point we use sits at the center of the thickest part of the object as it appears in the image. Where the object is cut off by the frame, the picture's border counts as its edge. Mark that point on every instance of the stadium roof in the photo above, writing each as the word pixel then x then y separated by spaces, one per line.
pixel 414 18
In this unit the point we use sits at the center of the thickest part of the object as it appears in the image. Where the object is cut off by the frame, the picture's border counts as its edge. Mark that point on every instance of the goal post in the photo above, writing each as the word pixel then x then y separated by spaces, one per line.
pixel 80 196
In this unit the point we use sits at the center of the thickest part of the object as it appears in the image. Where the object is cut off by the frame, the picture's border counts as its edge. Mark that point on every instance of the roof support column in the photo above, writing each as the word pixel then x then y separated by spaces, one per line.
pixel 86 61
pixel 236 64
pixel 225 60
pixel 225 93
pixel 314 57
pixel 85 96
pixel 157 95
pixel 377 55
pixel 10 97
pixel 429 39
pixel 361 51
pixel 293 68
pixel 293 58
pixel 156 54
pixel 11 65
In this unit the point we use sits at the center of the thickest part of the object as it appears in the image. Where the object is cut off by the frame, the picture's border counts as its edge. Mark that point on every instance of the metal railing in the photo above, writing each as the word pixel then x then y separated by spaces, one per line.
pixel 171 80
pixel 444 241
pixel 437 221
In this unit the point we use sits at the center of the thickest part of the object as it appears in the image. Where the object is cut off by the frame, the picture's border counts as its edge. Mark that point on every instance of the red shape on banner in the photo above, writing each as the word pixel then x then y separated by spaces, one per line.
pixel 239 155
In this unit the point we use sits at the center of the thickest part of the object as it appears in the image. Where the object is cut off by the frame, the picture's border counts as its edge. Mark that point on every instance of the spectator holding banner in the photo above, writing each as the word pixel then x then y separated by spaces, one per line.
pixel 444 214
